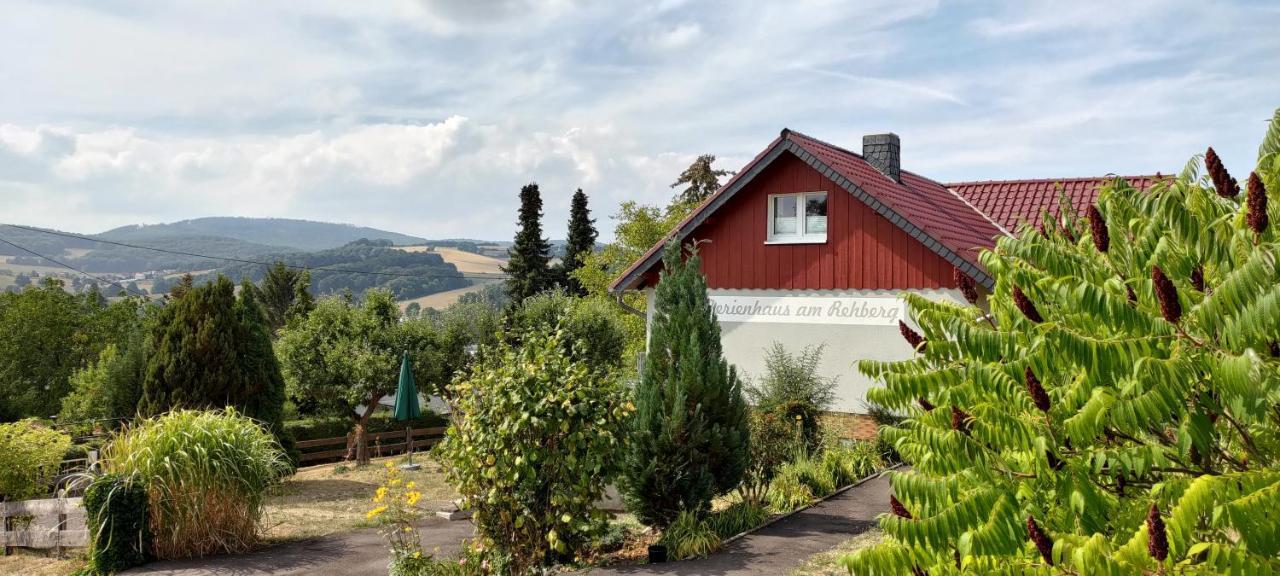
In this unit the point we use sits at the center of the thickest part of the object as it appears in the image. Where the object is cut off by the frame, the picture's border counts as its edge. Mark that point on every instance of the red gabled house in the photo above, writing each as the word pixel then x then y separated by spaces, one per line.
pixel 811 244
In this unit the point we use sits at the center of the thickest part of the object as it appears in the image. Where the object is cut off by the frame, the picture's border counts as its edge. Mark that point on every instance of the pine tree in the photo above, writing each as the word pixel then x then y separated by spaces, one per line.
pixel 689 436
pixel 527 269
pixel 581 242
pixel 699 181
pixel 1117 415
pixel 285 293
pixel 210 349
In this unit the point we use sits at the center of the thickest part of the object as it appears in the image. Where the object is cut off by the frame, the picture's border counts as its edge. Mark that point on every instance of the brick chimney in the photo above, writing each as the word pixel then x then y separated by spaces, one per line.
pixel 884 152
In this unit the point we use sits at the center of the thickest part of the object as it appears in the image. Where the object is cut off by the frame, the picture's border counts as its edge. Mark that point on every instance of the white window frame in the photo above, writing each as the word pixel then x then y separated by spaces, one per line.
pixel 801 236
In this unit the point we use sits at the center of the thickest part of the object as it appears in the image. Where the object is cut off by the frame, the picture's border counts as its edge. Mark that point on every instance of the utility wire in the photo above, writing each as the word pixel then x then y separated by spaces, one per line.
pixel 77 270
pixel 482 276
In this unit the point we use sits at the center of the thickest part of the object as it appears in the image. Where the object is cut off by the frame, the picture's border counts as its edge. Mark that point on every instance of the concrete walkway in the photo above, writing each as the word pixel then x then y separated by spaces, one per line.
pixel 774 550
pixel 358 553
pixel 786 544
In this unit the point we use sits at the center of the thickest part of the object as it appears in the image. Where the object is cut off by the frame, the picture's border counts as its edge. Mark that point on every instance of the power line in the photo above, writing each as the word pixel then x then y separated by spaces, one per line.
pixel 481 276
pixel 74 269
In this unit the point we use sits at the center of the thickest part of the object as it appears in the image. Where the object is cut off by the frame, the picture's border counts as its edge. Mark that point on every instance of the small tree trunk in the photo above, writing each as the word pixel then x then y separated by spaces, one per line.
pixel 362 432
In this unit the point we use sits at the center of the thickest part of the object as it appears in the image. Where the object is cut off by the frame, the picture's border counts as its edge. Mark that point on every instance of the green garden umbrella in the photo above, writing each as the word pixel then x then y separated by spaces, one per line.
pixel 407 405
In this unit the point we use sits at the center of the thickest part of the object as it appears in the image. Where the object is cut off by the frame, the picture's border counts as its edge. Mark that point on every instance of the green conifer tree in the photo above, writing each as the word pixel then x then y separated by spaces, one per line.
pixel 210 349
pixel 581 242
pixel 689 436
pixel 527 268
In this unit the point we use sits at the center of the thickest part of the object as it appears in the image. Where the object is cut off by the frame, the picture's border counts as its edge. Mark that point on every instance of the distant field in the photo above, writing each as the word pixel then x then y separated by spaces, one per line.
pixel 441 300
pixel 466 262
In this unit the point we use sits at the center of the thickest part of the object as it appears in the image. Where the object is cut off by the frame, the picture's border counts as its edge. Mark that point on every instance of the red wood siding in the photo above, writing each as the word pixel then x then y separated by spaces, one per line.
pixel 863 249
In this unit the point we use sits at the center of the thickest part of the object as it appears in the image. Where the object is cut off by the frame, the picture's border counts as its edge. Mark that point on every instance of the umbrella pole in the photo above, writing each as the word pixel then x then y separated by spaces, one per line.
pixel 408 438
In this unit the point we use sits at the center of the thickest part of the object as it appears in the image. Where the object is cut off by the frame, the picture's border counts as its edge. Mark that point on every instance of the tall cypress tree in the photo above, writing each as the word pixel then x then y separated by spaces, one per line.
pixel 689 436
pixel 527 268
pixel 581 242
pixel 210 349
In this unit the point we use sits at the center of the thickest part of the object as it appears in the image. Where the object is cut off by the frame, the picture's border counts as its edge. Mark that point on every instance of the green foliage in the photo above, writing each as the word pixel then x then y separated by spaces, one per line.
pixel 285 294
pixel 206 475
pixel 690 536
pixel 29 458
pixel 774 442
pixel 699 181
pixel 535 444
pixel 330 427
pixel 593 328
pixel 407 274
pixel 737 518
pixel 690 436
pixel 526 268
pixel 1132 429
pixel 580 243
pixel 106 393
pixel 794 388
pixel 116 512
pixel 343 355
pixel 210 349
pixel 46 334
pixel 787 491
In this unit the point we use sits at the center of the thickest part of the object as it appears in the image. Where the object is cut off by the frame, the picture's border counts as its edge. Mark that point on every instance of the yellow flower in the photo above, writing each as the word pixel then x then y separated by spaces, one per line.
pixel 413 497
pixel 417 554
pixel 411 485
pixel 393 482
pixel 380 494
pixel 375 512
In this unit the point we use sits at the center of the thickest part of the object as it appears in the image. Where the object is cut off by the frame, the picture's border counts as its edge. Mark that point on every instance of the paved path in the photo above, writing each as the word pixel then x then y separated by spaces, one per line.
pixel 774 550
pixel 786 544
pixel 358 553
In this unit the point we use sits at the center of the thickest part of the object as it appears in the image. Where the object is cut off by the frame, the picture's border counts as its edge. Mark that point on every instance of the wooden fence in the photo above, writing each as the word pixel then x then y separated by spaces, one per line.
pixel 53 523
pixel 321 449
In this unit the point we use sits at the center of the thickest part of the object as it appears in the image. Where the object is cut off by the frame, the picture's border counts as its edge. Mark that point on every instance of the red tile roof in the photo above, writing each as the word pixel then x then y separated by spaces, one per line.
pixel 1012 202
pixel 956 220
pixel 929 205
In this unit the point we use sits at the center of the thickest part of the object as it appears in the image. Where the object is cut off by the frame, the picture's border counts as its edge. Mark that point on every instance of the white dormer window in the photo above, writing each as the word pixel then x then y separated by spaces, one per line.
pixel 797 218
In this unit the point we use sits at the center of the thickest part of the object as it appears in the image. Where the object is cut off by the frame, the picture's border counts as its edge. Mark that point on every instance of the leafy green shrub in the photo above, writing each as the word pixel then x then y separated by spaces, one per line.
pixel 690 438
pixel 1116 412
pixel 206 476
pixel 788 492
pixel 793 388
pixel 29 457
pixel 773 443
pixel 119 528
pixel 812 472
pixel 738 518
pixel 849 463
pixel 593 331
pixel 690 537
pixel 534 442
pixel 318 427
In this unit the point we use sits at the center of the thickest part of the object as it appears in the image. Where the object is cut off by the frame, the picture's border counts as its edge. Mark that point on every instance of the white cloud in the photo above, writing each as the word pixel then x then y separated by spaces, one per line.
pixel 426 116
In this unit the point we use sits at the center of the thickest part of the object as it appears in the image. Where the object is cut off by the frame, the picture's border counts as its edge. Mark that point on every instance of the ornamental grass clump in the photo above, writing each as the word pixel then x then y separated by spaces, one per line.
pixel 206 473
pixel 1127 423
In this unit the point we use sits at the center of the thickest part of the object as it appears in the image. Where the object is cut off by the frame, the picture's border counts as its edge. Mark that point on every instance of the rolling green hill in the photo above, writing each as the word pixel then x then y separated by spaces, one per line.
pixel 296 234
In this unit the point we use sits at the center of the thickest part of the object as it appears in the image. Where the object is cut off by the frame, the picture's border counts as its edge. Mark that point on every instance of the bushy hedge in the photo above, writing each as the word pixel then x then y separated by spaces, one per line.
pixel 538 438
pixel 120 534
pixel 29 457
pixel 316 428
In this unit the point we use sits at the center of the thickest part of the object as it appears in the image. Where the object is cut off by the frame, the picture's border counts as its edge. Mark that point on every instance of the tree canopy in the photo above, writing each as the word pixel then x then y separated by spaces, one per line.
pixel 527 269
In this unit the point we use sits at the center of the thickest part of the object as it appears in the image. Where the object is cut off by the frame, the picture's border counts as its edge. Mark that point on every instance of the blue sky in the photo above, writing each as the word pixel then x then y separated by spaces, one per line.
pixel 425 117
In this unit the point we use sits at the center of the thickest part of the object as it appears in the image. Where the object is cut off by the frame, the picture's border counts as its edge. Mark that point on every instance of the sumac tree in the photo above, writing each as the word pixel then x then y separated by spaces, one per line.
pixel 1120 414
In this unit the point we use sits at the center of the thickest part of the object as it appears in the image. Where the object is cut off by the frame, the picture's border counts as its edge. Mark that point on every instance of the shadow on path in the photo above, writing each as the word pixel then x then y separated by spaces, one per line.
pixel 349 554
pixel 786 544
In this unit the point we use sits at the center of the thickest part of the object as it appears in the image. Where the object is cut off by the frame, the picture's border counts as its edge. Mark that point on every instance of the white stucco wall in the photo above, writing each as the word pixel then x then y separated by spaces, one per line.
pixel 745 342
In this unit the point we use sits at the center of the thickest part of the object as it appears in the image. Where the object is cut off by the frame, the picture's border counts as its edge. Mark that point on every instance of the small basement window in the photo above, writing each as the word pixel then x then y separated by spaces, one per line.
pixel 797 218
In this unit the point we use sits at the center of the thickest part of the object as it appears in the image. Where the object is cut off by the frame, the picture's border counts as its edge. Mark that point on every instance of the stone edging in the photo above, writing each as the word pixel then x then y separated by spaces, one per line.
pixel 782 517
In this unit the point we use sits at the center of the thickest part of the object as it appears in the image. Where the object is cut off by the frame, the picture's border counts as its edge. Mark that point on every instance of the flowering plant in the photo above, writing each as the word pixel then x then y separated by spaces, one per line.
pixel 396 509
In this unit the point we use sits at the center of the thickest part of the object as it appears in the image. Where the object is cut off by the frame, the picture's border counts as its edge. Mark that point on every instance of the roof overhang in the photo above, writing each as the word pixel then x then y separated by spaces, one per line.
pixel 631 278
